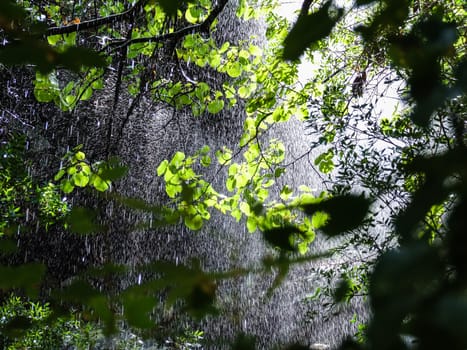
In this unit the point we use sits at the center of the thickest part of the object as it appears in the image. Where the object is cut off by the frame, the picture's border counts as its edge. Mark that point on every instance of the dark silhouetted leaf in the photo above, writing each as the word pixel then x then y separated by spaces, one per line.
pixel 244 342
pixel 364 2
pixel 83 293
pixel 76 57
pixel 170 7
pixel 401 283
pixel 27 276
pixel 350 344
pixel 113 170
pixel 17 327
pixel 414 268
pixel 46 58
pixel 201 298
pixel 10 15
pixel 343 290
pixel 78 291
pixel 450 315
pixel 282 237
pixel 283 264
pixel 433 191
pixel 309 29
pixel 296 347
pixel 137 307
pixel 457 239
pixel 82 221
pixel 8 246
pixel 345 212
pixel 461 75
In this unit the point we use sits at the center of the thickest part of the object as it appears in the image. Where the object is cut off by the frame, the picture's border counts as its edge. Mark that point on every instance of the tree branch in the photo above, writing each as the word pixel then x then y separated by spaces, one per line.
pixel 94 23
pixel 197 28
pixel 305 7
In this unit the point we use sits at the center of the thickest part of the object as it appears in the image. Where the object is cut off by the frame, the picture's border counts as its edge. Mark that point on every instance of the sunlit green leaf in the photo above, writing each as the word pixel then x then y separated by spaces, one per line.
pixel 99 183
pixel 67 186
pixel 80 179
pixel 215 106
pixel 234 69
pixel 193 222
pixel 251 224
pixel 59 175
pixel 319 219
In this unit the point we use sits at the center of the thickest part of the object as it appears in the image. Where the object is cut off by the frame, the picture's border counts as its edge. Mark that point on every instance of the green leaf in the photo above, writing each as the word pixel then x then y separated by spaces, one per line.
pixel 309 29
pixel 43 94
pixel 214 59
pixel 325 161
pixel 245 208
pixel 230 183
pixel 234 69
pixel 215 106
pixel 59 175
pixel 177 159
pixel 80 155
pixel 193 14
pixel 162 168
pixel 67 186
pixel 205 161
pixel 243 91
pixel 319 219
pixel 99 183
pixel 86 94
pixel 80 179
pixel 278 172
pixel 193 222
pixel 224 156
pixel 54 39
pixel 285 192
pixel 255 50
pixel 189 41
pixel 251 224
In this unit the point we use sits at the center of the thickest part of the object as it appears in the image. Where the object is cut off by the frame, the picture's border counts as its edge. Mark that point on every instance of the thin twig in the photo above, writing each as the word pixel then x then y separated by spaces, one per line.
pixel 94 23
pixel 197 28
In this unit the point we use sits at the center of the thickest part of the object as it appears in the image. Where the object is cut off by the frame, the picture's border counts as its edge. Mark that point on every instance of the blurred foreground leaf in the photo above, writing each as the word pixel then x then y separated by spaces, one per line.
pixel 309 29
pixel 345 212
pixel 282 237
pixel 82 221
